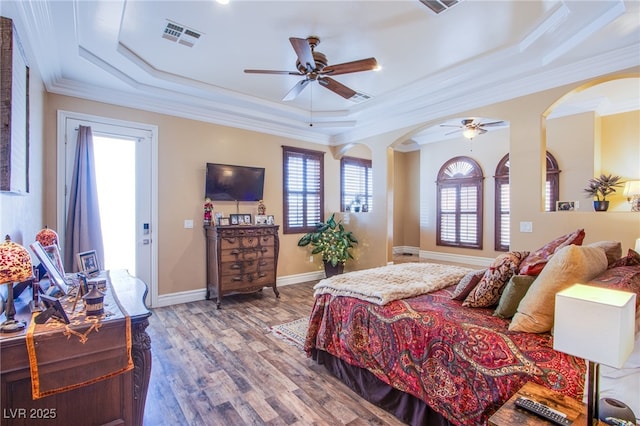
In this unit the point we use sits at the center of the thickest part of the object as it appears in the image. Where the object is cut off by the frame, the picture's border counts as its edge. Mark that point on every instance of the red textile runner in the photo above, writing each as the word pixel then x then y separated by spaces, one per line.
pixel 89 349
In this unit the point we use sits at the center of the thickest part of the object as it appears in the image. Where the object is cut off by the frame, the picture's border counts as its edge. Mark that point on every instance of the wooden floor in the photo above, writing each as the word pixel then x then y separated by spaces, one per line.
pixel 224 367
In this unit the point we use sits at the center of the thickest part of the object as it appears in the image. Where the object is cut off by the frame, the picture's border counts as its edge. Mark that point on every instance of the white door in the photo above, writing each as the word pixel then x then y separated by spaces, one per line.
pixel 125 159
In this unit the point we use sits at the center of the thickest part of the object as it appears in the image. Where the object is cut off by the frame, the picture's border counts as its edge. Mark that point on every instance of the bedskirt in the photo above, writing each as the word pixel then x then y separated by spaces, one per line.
pixel 406 407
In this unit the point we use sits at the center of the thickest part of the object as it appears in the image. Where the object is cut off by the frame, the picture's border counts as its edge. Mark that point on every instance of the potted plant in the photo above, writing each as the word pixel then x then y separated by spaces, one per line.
pixel 333 242
pixel 599 188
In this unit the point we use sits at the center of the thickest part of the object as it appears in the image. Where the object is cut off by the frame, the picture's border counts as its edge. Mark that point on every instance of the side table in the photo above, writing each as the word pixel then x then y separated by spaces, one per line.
pixel 509 414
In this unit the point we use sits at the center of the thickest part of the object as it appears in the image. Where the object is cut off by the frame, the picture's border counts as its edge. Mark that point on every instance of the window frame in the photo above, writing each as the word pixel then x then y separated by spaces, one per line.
pixel 307 155
pixel 368 176
pixel 473 179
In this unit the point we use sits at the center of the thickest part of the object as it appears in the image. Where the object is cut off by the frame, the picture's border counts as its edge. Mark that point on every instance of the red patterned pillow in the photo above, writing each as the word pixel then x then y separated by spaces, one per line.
pixel 489 289
pixel 632 258
pixel 466 284
pixel 623 278
pixel 534 263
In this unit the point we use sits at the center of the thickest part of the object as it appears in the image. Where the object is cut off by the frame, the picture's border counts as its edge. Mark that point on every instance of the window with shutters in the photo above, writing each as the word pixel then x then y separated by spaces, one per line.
pixel 356 186
pixel 502 213
pixel 303 189
pixel 459 204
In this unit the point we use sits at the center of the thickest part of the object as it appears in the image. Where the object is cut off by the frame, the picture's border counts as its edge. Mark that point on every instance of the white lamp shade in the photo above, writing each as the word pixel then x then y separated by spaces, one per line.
pixel 638 245
pixel 595 323
pixel 631 188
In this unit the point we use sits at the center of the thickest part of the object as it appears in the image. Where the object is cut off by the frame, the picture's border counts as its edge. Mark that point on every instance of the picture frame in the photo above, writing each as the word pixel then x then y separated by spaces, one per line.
pixel 271 220
pixel 224 221
pixel 54 254
pixel 260 219
pixel 88 262
pixel 55 277
pixel 247 219
pixel 235 219
pixel 565 206
pixel 53 308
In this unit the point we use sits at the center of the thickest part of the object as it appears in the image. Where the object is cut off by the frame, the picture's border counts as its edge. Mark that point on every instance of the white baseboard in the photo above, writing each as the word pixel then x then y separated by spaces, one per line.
pixel 201 294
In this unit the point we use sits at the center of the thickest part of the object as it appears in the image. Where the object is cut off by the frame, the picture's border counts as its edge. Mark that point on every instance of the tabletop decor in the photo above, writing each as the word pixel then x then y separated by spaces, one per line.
pixel 15 266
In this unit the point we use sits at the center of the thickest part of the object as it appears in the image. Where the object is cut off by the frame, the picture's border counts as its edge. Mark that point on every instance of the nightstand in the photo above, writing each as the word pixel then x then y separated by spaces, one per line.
pixel 509 414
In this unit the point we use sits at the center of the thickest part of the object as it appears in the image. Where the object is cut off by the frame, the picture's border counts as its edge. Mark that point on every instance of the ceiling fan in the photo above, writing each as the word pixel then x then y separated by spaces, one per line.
pixel 313 66
pixel 472 127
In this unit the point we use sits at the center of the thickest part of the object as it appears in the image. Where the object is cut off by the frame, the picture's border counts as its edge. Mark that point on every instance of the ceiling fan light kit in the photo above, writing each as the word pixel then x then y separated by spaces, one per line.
pixel 313 66
pixel 472 127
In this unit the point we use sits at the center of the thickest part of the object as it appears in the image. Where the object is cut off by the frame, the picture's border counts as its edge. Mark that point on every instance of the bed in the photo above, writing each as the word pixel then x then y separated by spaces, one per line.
pixel 424 356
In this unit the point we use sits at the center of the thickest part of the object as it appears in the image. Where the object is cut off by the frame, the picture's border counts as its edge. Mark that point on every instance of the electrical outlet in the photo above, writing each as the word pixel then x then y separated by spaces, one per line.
pixel 311 259
pixel 188 223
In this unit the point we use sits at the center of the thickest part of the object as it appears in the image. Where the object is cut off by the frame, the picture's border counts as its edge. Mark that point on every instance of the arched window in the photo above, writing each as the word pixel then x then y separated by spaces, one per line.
pixel 502 210
pixel 459 221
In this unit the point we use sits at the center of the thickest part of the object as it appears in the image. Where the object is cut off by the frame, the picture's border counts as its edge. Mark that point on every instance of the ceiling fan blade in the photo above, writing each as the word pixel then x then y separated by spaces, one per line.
pixel 451 133
pixel 481 131
pixel 336 87
pixel 272 72
pixel 303 50
pixel 493 123
pixel 295 90
pixel 355 66
pixel 451 125
pixel 467 121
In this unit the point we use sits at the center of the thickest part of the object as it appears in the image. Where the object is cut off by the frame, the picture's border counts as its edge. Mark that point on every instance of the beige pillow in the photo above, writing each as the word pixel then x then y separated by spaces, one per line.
pixel 569 265
pixel 613 249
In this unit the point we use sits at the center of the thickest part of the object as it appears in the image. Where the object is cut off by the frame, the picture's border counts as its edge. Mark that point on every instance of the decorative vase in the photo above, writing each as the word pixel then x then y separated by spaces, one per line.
pixel 600 206
pixel 330 270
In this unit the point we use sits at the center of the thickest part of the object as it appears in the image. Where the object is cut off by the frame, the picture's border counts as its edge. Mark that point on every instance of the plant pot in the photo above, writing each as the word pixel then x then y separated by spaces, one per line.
pixel 330 270
pixel 600 206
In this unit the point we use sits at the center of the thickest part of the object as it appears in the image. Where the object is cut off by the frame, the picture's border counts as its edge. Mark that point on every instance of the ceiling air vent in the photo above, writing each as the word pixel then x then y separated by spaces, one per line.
pixel 360 97
pixel 439 6
pixel 180 34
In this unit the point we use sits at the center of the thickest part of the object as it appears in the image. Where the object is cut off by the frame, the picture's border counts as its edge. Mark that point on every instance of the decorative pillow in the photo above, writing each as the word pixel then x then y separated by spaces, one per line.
pixel 534 263
pixel 613 250
pixel 512 295
pixel 623 278
pixel 466 284
pixel 571 264
pixel 489 289
pixel 632 258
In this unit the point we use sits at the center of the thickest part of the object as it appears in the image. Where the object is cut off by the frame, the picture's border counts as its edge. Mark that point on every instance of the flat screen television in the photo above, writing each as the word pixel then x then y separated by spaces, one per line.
pixel 225 182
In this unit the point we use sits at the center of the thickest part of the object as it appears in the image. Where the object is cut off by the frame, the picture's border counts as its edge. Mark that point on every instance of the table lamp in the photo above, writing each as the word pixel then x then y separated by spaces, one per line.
pixel 15 266
pixel 632 192
pixel 596 324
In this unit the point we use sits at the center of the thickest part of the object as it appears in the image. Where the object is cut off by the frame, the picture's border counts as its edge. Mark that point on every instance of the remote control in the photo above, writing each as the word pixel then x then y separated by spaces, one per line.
pixel 543 411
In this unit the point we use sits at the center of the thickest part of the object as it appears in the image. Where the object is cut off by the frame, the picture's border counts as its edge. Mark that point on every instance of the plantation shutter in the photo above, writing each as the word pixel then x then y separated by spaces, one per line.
pixel 356 179
pixel 302 189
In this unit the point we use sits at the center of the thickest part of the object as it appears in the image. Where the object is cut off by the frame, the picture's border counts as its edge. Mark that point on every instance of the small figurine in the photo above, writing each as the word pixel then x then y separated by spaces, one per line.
pixel 262 209
pixel 208 208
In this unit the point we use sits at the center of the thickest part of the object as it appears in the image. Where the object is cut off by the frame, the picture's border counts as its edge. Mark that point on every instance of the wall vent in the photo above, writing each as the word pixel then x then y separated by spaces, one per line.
pixel 360 97
pixel 180 34
pixel 439 6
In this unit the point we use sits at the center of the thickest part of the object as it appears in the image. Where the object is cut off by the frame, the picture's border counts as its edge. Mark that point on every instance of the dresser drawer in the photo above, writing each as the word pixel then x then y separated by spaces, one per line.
pixel 240 254
pixel 248 280
pixel 245 267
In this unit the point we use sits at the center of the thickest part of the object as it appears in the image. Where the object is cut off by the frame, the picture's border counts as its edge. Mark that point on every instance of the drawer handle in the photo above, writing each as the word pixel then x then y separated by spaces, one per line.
pixel 235 252
pixel 262 275
pixel 235 266
pixel 236 278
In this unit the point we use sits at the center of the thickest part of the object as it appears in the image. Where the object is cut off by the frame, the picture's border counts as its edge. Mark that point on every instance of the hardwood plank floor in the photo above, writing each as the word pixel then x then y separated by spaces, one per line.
pixel 224 367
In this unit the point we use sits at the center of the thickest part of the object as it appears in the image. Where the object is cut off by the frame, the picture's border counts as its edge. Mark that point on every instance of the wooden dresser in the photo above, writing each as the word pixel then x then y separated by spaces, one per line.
pixel 241 259
pixel 118 400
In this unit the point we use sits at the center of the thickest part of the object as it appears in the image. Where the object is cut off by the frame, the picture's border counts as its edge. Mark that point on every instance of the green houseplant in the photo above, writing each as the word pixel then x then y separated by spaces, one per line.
pixel 333 242
pixel 600 187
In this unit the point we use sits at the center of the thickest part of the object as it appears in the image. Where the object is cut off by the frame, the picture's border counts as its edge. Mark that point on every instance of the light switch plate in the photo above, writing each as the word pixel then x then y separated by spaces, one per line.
pixel 526 226
pixel 188 223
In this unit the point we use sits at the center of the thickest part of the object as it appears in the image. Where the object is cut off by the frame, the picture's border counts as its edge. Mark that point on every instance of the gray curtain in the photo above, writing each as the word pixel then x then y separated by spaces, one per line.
pixel 83 231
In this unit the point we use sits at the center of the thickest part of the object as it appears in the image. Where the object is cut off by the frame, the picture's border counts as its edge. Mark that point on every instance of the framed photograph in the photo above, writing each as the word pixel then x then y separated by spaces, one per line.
pixel 224 221
pixel 235 219
pixel 271 220
pixel 54 254
pixel 247 219
pixel 260 219
pixel 55 276
pixel 88 262
pixel 565 206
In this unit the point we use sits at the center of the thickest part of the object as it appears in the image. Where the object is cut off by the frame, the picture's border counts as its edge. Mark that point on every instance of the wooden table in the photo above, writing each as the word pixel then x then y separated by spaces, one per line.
pixel 118 400
pixel 509 414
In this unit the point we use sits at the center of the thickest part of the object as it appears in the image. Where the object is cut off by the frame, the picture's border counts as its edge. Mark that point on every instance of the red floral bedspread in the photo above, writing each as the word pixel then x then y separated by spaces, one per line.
pixel 463 362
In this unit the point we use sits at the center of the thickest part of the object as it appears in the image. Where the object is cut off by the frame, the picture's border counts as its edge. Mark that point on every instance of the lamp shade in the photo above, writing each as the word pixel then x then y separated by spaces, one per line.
pixel 15 262
pixel 47 237
pixel 595 323
pixel 631 188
